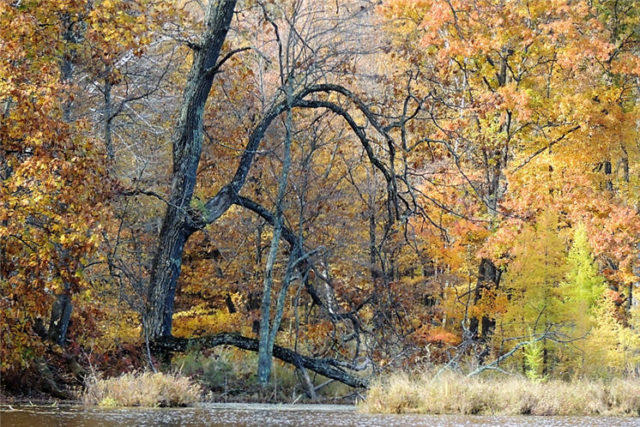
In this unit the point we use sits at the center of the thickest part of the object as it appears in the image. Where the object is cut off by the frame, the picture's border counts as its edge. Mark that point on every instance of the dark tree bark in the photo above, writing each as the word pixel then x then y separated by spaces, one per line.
pixel 60 317
pixel 488 278
pixel 187 147
pixel 108 119
pixel 607 173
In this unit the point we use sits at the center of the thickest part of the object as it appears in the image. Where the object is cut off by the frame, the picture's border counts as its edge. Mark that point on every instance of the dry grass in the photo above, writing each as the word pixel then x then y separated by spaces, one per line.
pixel 456 394
pixel 142 389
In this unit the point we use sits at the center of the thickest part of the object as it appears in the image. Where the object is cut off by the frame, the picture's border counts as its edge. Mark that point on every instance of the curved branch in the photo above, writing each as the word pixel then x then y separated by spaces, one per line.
pixel 354 126
pixel 290 237
pixel 330 368
pixel 263 212
pixel 546 147
pixel 218 204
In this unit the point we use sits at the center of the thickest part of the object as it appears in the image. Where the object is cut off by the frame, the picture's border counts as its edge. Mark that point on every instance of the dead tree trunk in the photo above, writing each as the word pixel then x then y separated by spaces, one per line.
pixel 330 368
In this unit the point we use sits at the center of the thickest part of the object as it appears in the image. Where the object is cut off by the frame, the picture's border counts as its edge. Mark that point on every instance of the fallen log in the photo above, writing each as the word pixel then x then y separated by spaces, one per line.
pixel 330 368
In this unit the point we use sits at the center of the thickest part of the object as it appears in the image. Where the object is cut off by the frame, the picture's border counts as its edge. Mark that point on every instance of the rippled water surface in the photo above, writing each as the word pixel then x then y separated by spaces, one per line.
pixel 269 415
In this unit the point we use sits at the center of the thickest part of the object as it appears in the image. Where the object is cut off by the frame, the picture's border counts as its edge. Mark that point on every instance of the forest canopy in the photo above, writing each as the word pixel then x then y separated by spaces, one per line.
pixel 349 186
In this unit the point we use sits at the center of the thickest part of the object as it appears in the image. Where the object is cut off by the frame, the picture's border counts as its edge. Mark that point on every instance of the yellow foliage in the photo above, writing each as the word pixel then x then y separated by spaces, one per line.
pixel 202 321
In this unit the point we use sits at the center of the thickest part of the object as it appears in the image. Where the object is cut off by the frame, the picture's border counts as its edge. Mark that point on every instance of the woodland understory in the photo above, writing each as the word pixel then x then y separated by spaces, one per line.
pixel 327 192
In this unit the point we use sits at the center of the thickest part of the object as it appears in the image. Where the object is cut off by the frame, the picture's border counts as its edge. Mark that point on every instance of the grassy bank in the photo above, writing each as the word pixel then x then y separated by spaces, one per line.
pixel 142 389
pixel 453 393
pixel 215 375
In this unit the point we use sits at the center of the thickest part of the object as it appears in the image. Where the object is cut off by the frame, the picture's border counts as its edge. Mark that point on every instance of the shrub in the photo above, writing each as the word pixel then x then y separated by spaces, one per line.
pixel 142 389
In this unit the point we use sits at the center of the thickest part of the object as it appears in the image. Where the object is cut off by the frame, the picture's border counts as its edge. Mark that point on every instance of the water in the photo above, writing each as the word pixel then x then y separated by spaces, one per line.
pixel 269 415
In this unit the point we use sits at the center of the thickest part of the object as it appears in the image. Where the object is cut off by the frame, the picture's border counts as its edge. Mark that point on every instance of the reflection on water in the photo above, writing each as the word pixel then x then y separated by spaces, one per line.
pixel 269 415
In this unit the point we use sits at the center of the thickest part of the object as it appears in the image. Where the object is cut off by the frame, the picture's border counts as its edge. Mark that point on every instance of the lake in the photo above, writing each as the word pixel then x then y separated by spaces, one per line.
pixel 241 414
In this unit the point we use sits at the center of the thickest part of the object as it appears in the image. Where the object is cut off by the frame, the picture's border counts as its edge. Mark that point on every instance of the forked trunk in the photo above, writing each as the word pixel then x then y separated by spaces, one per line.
pixel 178 224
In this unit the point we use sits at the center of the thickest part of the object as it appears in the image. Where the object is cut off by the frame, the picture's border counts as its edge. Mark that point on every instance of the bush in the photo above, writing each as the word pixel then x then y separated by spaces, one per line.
pixel 142 389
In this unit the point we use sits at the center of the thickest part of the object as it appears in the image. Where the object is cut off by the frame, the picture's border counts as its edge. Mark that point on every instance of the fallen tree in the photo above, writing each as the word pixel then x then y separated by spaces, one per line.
pixel 328 367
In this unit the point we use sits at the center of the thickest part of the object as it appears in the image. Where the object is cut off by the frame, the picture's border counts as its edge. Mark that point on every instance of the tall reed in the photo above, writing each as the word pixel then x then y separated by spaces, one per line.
pixel 453 393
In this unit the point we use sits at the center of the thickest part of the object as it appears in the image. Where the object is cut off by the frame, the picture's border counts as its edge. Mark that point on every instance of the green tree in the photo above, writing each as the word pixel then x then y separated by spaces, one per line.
pixel 583 281
pixel 535 299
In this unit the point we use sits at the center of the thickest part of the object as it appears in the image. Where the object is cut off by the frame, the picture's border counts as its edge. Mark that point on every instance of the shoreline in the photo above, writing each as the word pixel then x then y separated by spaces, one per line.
pixel 453 393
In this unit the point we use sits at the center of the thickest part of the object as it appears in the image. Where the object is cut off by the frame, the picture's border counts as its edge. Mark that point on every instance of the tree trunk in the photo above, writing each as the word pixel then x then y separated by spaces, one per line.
pixel 108 119
pixel 264 353
pixel 267 330
pixel 608 177
pixel 60 317
pixel 177 225
pixel 488 277
pixel 61 310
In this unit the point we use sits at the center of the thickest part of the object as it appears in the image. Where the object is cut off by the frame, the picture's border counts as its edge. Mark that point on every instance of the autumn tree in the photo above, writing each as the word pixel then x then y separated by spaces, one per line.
pixel 368 185
pixel 51 173
pixel 533 299
pixel 302 83
pixel 515 96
